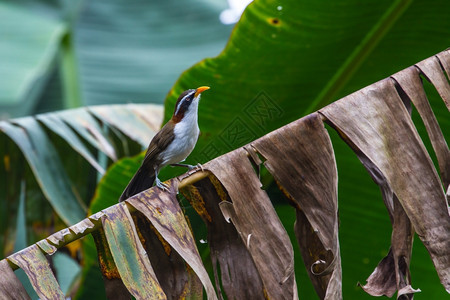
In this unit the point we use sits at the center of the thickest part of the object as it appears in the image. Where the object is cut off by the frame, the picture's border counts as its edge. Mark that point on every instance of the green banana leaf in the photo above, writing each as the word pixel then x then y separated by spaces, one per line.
pixel 285 59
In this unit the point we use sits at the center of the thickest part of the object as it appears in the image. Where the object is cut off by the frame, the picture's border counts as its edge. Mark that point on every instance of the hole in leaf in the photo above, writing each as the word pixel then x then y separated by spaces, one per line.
pixel 405 99
pixel 256 159
pixel 439 110
pixel 443 71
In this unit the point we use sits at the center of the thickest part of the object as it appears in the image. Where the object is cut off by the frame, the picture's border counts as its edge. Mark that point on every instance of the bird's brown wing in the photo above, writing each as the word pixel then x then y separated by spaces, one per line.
pixel 160 141
pixel 145 175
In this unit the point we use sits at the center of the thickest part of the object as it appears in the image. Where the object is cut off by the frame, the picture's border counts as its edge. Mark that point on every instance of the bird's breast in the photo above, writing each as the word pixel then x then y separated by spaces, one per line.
pixel 186 135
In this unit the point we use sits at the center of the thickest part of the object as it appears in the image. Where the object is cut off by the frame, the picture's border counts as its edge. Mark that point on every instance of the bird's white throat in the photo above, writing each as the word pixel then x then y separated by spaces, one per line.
pixel 186 134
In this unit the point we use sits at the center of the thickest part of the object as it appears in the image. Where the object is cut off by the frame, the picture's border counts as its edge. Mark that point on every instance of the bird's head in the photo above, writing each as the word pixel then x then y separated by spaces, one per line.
pixel 187 102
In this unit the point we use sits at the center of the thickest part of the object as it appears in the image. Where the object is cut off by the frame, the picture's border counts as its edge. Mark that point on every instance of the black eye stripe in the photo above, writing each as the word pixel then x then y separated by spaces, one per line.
pixel 186 98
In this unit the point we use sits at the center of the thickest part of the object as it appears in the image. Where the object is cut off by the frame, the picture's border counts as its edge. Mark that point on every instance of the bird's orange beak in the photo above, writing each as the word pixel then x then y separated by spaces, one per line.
pixel 200 90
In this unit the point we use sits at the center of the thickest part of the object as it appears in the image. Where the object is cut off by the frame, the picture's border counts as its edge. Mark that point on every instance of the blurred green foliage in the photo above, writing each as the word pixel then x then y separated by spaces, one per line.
pixel 283 60
pixel 64 54
pixel 286 59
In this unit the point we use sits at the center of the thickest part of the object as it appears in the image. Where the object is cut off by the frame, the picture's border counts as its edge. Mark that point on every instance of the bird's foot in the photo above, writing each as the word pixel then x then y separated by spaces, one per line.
pixel 190 167
pixel 197 166
pixel 182 165
pixel 161 185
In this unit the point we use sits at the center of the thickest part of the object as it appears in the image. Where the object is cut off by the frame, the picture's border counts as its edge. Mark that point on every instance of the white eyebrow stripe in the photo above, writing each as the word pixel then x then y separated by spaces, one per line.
pixel 182 100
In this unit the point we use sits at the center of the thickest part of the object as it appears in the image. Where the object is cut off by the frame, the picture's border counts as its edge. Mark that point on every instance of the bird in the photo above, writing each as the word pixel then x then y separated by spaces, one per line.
pixel 170 146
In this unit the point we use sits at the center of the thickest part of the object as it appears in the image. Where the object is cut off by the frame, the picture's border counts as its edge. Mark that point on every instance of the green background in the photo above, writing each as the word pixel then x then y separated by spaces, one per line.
pixel 283 60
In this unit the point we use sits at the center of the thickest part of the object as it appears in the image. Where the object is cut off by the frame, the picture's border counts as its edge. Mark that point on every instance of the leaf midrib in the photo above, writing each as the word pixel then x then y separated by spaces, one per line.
pixel 359 55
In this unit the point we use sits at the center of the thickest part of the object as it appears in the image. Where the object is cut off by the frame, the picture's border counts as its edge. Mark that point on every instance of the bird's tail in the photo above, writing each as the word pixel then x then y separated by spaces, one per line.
pixel 142 180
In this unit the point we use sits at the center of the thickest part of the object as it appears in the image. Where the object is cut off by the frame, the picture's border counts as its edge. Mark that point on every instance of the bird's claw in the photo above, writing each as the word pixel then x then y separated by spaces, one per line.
pixel 197 166
pixel 161 185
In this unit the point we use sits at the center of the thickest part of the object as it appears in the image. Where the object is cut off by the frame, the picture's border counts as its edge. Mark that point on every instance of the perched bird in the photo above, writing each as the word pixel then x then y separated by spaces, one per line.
pixel 170 146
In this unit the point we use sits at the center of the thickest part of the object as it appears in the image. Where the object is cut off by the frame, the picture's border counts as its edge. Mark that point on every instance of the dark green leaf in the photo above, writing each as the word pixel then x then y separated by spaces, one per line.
pixel 47 167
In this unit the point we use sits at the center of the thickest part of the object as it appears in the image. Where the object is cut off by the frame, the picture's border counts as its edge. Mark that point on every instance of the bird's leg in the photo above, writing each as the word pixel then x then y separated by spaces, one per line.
pixel 190 167
pixel 160 184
